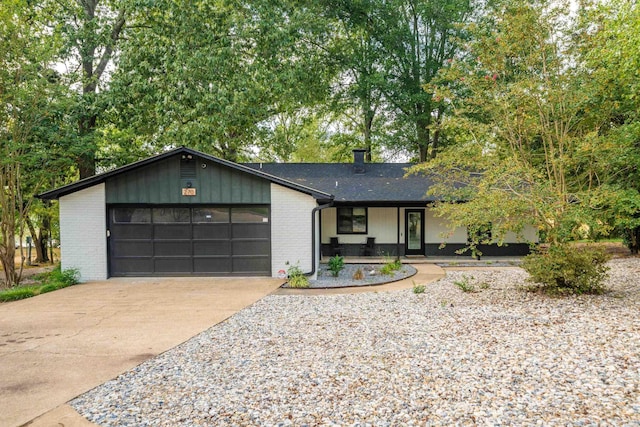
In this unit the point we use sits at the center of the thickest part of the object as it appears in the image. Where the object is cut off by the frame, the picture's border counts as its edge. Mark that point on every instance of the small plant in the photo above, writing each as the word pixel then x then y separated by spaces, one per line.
pixel 358 275
pixel 297 279
pixel 484 285
pixel 391 266
pixel 418 289
pixel 465 284
pixel 336 264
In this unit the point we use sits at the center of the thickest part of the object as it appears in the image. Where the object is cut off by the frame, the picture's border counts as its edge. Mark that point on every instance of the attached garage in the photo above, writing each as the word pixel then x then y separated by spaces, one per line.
pixel 185 240
pixel 185 213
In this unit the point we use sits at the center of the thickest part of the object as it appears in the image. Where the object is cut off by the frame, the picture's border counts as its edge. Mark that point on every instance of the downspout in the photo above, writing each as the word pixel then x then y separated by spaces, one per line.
pixel 313 236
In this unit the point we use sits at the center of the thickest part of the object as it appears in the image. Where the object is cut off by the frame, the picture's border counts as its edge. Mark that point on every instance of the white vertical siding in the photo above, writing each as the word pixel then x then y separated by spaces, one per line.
pixel 291 229
pixel 83 232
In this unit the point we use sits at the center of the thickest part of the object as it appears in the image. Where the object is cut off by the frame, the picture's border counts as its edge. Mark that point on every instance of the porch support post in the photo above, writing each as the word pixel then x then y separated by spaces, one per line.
pixel 398 233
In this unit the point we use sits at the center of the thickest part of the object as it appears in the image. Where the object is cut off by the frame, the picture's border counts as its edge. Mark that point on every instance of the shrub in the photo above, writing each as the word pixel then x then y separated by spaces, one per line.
pixel 297 279
pixel 336 264
pixel 391 266
pixel 566 269
pixel 64 278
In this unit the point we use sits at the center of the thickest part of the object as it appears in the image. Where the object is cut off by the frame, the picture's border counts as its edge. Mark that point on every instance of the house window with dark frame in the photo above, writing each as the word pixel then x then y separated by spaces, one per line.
pixel 352 220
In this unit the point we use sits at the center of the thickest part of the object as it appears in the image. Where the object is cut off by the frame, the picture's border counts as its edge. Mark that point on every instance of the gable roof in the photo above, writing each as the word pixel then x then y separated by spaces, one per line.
pixel 382 184
pixel 100 178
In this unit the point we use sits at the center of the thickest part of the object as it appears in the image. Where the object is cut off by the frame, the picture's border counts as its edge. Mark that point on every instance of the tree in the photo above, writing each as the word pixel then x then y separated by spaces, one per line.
pixel 28 87
pixel 610 40
pixel 209 75
pixel 417 38
pixel 519 107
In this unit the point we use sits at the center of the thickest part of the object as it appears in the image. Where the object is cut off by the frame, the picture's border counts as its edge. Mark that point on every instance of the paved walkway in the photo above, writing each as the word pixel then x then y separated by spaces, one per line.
pixel 56 346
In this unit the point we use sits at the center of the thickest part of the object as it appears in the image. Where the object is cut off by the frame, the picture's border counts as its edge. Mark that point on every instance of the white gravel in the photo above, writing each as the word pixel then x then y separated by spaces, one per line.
pixel 499 356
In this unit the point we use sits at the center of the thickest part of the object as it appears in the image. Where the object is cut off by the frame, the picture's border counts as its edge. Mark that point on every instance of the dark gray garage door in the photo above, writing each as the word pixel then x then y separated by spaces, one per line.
pixel 184 240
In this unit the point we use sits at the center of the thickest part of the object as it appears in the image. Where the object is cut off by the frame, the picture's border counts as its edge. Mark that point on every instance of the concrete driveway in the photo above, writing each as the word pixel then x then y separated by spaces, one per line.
pixel 56 346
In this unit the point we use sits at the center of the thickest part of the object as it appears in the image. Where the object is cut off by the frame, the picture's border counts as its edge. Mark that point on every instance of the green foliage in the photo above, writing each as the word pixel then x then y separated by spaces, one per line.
pixel 297 279
pixel 336 264
pixel 568 269
pixel 391 267
pixel 418 289
pixel 465 284
pixel 52 281
pixel 18 293
pixel 62 279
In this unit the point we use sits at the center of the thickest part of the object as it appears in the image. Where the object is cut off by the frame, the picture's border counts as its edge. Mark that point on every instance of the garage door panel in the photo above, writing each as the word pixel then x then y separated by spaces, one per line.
pixel 211 231
pixel 250 247
pixel 172 248
pixel 215 247
pixel 172 231
pixel 217 265
pixel 251 265
pixel 133 248
pixel 132 231
pixel 172 265
pixel 131 266
pixel 250 231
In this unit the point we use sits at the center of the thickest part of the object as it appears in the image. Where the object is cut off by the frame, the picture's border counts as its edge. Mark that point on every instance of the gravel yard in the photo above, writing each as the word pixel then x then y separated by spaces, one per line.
pixel 498 356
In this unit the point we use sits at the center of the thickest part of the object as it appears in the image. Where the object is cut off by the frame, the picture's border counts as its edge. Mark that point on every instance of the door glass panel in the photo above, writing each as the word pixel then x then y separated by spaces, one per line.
pixel 415 232
pixel 171 215
pixel 132 215
pixel 251 214
pixel 210 215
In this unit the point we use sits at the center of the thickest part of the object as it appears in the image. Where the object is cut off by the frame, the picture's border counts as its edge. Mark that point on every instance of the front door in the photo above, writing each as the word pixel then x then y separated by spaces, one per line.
pixel 414 232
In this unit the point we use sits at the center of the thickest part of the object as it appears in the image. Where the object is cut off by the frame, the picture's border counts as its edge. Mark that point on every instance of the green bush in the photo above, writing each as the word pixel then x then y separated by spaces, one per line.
pixel 566 269
pixel 336 264
pixel 391 266
pixel 49 282
pixel 297 279
pixel 64 278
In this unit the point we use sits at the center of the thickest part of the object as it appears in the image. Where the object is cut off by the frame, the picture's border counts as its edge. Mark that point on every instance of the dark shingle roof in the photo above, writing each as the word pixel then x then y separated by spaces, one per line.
pixel 382 183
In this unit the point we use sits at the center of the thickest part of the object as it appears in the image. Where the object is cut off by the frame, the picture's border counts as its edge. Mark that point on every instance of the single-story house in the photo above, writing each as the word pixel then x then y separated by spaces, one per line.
pixel 185 212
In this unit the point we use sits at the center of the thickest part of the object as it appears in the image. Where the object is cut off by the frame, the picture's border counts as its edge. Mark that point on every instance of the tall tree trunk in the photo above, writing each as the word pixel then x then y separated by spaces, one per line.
pixel 423 135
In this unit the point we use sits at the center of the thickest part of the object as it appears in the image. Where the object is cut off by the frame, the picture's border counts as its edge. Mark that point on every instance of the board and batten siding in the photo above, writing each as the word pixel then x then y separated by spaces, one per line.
pixel 162 183
pixel 291 229
pixel 83 233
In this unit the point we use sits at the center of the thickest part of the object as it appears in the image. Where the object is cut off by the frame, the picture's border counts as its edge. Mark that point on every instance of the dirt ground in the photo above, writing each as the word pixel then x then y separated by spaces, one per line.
pixel 32 270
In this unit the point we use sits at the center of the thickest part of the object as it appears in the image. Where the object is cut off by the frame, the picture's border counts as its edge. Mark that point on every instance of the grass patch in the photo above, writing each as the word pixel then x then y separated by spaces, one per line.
pixel 49 282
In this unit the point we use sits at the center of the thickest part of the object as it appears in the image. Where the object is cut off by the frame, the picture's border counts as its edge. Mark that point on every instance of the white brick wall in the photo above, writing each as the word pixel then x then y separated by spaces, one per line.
pixel 291 229
pixel 83 228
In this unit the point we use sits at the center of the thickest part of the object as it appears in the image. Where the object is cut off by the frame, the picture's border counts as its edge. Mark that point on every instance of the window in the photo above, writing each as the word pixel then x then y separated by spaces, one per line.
pixel 131 215
pixel 352 220
pixel 210 215
pixel 250 214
